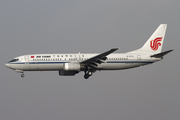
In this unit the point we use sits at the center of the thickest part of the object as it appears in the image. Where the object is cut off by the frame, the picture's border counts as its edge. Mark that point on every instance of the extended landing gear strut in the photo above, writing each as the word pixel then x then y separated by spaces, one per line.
pixel 87 74
pixel 20 71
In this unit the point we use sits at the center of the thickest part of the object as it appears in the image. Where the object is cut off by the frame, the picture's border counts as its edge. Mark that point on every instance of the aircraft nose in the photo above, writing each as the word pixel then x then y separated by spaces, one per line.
pixel 8 65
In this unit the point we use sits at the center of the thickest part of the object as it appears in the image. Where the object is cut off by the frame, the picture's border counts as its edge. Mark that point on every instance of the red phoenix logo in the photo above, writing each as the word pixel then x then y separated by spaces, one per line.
pixel 154 44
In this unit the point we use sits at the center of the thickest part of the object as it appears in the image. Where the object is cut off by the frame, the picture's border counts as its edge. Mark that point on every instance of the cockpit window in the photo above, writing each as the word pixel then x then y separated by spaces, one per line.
pixel 14 60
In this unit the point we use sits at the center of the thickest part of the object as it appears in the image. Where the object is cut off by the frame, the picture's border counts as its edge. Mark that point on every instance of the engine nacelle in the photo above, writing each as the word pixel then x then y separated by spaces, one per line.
pixel 71 67
pixel 67 73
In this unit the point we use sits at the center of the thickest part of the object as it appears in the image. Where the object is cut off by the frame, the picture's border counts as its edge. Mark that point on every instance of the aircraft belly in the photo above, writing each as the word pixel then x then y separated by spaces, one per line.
pixel 118 66
pixel 37 67
pixel 45 67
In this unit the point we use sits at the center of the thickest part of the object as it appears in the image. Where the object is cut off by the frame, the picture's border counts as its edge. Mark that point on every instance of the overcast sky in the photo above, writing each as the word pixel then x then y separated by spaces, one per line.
pixel 149 92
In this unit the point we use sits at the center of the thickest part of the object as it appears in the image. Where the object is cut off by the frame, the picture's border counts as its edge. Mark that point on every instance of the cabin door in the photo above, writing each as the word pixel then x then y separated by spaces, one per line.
pixel 138 58
pixel 26 58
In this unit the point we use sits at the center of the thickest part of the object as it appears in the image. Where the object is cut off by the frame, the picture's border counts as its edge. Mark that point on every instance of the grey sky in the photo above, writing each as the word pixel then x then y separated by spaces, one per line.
pixel 67 26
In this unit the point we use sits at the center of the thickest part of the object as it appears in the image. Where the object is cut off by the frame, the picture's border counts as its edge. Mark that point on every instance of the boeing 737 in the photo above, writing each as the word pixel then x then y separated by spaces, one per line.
pixel 71 64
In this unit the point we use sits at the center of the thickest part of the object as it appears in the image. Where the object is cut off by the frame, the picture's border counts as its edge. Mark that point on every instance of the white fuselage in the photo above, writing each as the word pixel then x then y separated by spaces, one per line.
pixel 55 62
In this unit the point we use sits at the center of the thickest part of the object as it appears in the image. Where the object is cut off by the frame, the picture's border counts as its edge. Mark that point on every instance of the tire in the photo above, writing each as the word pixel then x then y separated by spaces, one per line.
pixel 22 75
pixel 86 76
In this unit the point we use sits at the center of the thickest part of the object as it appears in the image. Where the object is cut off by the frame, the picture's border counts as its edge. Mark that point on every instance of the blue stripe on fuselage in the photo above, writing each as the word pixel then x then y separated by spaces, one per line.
pixel 147 62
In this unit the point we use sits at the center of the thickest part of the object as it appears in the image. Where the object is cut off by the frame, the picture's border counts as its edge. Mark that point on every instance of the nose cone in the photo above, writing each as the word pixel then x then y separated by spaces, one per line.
pixel 8 65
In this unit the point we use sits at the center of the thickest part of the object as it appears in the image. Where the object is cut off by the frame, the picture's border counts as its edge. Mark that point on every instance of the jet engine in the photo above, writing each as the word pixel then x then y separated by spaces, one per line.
pixel 71 67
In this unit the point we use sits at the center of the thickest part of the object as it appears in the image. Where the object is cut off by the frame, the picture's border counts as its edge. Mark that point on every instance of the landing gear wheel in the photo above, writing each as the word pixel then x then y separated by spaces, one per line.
pixel 22 75
pixel 86 76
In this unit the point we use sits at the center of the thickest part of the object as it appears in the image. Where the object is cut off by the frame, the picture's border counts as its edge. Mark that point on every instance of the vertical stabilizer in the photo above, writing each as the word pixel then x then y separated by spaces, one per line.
pixel 155 42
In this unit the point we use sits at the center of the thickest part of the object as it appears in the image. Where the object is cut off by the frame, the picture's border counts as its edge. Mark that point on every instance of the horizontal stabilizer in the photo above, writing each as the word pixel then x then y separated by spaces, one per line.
pixel 159 55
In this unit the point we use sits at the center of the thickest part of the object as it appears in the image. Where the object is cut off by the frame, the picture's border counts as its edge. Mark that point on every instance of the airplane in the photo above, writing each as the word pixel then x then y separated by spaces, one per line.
pixel 71 64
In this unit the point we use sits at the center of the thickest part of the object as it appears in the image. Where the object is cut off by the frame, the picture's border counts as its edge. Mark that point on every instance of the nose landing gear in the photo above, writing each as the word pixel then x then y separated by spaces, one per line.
pixel 20 71
pixel 22 75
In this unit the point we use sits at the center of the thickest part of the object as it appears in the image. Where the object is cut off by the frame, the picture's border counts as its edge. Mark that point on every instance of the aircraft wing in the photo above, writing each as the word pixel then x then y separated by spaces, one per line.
pixel 94 61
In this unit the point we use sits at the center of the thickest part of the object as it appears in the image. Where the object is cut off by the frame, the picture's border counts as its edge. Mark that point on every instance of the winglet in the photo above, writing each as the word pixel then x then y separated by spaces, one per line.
pixel 114 49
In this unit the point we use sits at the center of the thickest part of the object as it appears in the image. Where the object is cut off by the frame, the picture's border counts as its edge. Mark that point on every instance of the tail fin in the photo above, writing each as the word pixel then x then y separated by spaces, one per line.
pixel 155 42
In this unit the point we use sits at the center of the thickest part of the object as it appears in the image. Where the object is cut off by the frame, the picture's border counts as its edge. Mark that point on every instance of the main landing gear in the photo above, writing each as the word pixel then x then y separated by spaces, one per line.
pixel 87 74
